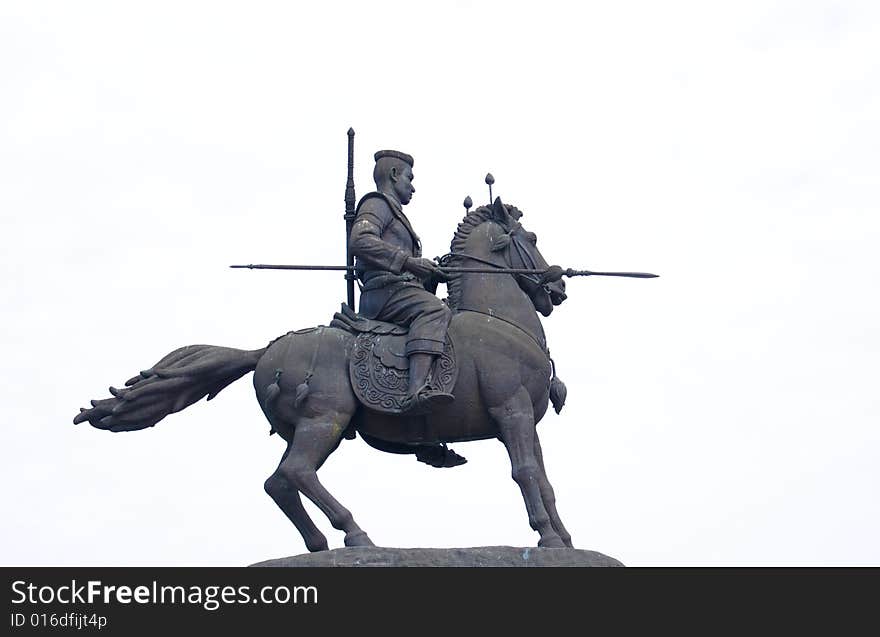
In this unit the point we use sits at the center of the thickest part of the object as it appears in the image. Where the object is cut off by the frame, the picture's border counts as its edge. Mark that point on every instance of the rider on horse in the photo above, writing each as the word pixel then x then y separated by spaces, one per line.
pixel 398 284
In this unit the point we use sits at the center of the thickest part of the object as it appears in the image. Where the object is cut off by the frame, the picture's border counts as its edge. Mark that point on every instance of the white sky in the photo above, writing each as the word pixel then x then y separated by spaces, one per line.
pixel 724 414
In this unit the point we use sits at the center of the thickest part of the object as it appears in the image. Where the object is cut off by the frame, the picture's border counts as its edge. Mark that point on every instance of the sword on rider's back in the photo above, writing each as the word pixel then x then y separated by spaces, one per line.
pixel 553 273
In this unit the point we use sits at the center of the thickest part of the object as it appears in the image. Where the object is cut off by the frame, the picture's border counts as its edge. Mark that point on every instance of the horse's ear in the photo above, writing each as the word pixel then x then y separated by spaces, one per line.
pixel 499 212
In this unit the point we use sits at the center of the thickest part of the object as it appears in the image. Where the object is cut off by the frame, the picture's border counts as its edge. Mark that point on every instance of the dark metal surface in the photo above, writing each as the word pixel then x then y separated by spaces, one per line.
pixel 502 387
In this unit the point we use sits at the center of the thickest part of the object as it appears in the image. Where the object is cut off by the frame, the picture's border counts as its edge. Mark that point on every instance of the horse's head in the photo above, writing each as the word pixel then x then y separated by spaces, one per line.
pixel 506 244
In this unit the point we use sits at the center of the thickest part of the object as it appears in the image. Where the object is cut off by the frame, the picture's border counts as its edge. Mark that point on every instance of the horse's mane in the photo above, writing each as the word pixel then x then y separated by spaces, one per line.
pixel 472 219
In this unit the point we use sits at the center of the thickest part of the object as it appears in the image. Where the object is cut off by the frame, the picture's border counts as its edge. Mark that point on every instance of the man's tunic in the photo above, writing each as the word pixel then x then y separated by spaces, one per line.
pixel 381 240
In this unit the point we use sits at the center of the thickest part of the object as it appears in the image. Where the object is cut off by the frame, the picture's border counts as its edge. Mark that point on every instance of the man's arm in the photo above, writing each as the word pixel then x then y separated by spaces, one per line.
pixel 366 242
pixel 366 237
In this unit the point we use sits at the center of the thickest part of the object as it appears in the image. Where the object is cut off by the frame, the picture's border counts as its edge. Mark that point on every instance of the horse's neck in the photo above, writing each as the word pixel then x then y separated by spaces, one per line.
pixel 498 295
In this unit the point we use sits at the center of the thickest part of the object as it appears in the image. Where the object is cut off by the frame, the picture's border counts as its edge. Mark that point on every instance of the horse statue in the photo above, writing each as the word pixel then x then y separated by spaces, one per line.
pixel 320 385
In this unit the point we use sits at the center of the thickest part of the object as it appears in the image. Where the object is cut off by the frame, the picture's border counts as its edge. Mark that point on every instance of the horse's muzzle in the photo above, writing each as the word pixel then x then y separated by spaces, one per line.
pixel 556 291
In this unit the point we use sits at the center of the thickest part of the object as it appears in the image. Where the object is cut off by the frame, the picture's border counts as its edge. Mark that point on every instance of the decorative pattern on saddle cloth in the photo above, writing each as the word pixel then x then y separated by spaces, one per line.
pixel 379 371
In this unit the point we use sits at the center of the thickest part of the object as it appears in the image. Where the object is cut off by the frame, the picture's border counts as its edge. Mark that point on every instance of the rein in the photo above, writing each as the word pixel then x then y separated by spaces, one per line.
pixel 526 259
pixel 447 257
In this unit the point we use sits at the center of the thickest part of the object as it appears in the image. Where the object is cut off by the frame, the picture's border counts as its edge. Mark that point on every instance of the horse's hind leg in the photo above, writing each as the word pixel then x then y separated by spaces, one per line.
pixel 287 498
pixel 516 423
pixel 313 441
pixel 549 497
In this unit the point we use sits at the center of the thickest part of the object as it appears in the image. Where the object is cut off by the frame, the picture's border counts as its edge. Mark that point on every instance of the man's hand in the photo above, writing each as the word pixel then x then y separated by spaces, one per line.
pixel 422 268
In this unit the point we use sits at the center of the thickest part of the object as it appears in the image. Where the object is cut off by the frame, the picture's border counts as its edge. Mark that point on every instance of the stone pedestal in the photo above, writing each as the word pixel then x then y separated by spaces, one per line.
pixel 493 556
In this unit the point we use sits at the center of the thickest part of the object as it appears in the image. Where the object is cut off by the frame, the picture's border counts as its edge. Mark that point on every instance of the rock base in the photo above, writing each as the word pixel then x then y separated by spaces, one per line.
pixel 492 556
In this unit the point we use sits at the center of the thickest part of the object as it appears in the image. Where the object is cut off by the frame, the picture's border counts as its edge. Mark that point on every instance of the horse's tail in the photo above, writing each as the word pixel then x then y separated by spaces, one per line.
pixel 181 378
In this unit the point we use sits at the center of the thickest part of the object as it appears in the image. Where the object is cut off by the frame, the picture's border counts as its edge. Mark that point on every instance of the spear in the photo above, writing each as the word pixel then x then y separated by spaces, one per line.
pixel 551 273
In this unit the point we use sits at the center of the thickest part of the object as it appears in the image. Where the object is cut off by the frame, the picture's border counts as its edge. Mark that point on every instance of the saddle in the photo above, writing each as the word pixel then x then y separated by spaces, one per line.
pixel 378 366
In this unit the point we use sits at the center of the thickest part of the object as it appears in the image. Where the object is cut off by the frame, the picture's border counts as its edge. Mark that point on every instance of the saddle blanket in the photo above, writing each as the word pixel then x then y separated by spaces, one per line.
pixel 379 368
pixel 379 371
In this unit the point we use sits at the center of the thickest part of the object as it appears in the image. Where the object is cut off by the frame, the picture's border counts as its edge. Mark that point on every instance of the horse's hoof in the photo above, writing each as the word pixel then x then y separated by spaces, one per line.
pixel 359 538
pixel 318 546
pixel 554 542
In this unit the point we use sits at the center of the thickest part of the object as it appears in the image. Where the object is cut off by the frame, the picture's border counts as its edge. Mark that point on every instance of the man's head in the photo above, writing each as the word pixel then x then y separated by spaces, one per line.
pixel 393 174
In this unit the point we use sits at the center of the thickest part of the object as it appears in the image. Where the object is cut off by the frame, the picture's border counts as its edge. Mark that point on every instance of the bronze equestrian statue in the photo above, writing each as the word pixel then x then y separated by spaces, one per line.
pixel 390 372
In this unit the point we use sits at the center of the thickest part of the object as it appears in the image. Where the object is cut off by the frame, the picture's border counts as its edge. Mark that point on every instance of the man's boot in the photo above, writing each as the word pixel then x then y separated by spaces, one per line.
pixel 421 398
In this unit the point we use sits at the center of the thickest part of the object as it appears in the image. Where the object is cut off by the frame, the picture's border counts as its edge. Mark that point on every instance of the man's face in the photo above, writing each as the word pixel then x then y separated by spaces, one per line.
pixel 402 182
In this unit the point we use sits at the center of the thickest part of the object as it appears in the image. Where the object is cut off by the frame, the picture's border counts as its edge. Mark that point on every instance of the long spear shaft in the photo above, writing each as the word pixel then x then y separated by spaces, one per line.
pixel 451 270
pixel 349 221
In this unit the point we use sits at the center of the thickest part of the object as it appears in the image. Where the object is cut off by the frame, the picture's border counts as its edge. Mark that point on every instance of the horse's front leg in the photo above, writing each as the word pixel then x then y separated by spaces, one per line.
pixel 516 424
pixel 549 497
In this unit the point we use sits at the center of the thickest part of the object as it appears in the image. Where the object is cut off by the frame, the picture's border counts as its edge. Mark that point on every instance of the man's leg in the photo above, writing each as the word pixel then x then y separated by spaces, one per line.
pixel 427 338
pixel 427 318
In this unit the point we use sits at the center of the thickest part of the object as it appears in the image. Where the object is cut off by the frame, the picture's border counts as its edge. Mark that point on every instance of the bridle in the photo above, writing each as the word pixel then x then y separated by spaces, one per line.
pixel 526 261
